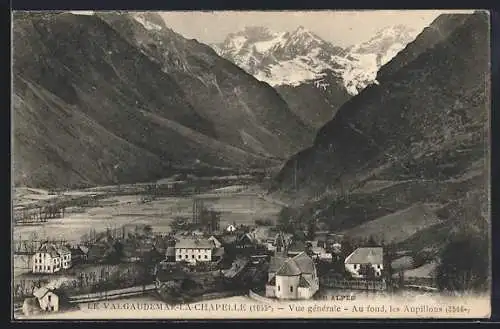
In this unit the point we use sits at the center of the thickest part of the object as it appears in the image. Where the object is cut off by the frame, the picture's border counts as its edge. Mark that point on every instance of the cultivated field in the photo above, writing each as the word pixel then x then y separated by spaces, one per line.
pixel 113 212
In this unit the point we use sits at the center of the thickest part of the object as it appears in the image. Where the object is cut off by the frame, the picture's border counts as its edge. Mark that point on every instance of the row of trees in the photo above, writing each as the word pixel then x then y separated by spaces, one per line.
pixel 209 221
pixel 465 264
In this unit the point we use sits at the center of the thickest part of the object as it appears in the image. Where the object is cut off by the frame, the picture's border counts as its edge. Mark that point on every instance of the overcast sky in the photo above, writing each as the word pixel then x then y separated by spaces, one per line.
pixel 343 28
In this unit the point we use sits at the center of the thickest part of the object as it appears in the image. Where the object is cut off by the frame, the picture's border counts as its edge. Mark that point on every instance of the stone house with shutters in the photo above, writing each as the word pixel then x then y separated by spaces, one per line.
pixel 194 250
pixel 50 258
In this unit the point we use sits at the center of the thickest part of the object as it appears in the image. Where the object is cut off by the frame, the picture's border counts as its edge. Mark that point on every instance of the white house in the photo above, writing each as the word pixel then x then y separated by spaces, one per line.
pixel 47 299
pixel 230 228
pixel 50 258
pixel 194 250
pixel 361 259
pixel 292 278
pixel 320 252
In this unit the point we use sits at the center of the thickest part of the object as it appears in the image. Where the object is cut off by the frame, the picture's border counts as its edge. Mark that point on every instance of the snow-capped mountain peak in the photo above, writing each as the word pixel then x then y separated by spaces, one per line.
pixel 367 57
pixel 301 56
pixel 279 58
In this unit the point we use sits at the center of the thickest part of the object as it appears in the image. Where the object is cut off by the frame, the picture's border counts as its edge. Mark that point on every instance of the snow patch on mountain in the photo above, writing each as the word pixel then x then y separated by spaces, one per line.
pixel 82 12
pixel 148 25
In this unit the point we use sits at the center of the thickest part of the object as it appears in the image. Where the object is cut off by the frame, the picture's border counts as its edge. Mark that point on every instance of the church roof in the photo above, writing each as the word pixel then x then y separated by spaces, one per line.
pixel 303 283
pixel 300 264
pixel 276 262
pixel 304 262
pixel 289 268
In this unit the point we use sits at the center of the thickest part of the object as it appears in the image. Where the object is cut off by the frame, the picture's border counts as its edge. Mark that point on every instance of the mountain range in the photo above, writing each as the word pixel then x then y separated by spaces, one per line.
pixel 119 97
pixel 312 75
pixel 414 144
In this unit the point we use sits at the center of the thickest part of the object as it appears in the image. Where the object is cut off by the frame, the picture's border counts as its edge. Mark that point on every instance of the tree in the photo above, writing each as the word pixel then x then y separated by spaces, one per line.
pixel 286 220
pixel 179 224
pixel 209 219
pixel 147 230
pixel 347 247
pixel 311 229
pixel 464 265
pixel 389 256
pixel 371 242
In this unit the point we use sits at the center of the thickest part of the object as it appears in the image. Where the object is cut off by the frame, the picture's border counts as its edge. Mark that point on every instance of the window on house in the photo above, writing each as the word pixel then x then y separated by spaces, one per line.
pixel 192 256
pixel 186 256
pixel 206 256
pixel 278 288
pixel 179 257
pixel 291 288
pixel 50 297
pixel 199 256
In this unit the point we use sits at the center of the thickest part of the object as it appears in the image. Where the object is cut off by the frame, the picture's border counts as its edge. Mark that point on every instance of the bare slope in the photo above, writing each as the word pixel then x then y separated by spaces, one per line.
pixel 95 104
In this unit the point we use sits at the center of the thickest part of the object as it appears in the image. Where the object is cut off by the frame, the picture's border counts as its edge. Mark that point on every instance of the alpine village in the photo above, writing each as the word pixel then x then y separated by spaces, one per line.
pixel 198 203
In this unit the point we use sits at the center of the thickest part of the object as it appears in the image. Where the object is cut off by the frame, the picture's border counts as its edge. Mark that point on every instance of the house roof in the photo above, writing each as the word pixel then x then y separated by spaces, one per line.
pixel 77 251
pixel 402 263
pixel 63 250
pixel 304 262
pixel 53 250
pixel 425 271
pixel 195 243
pixel 214 239
pixel 289 268
pixel 366 255
pixel 41 292
pixel 246 236
pixel 49 249
pixel 219 252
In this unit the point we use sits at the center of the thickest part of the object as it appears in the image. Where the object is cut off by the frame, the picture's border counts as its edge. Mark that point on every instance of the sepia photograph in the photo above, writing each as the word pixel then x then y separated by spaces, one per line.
pixel 250 164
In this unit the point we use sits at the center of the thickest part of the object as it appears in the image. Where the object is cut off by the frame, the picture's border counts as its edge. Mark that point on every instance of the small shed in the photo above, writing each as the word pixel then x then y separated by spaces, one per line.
pixel 47 299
